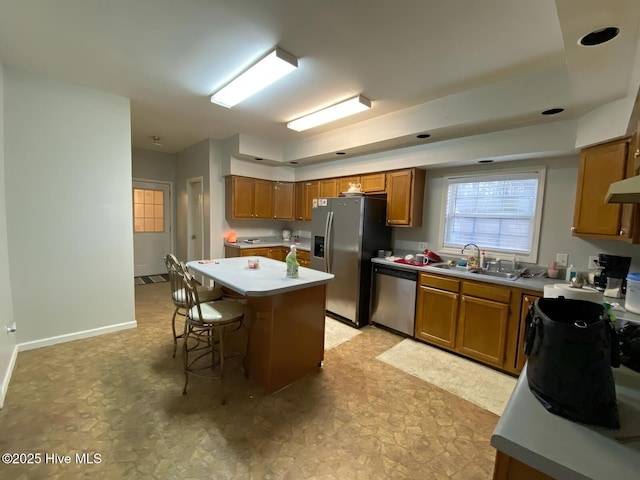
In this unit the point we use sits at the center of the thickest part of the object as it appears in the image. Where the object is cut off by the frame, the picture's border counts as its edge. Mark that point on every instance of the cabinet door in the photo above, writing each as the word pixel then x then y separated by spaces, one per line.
pixel 277 253
pixel 343 183
pixel 373 182
pixel 328 188
pixel 599 167
pixel 263 198
pixel 521 358
pixel 436 316
pixel 298 193
pixel 241 196
pixel 311 191
pixel 283 201
pixel 482 329
pixel 405 194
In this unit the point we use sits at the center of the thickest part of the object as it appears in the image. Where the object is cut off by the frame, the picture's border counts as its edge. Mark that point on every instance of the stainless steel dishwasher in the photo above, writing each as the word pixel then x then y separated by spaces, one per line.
pixel 393 301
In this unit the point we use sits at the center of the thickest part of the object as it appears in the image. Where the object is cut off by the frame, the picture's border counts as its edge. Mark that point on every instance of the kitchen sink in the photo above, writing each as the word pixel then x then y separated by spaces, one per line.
pixel 489 273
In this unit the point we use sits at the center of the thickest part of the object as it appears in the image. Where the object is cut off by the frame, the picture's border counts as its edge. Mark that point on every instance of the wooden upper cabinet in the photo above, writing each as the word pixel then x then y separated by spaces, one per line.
pixel 263 198
pixel 310 190
pixel 283 201
pixel 247 198
pixel 405 196
pixel 298 199
pixel 328 187
pixel 600 166
pixel 373 182
pixel 343 183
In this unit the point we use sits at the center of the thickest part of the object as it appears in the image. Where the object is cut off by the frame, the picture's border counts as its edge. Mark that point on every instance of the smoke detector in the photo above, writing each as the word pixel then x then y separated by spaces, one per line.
pixel 156 142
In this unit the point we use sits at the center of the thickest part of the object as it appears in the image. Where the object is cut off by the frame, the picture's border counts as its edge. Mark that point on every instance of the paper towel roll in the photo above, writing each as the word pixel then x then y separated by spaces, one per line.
pixel 567 291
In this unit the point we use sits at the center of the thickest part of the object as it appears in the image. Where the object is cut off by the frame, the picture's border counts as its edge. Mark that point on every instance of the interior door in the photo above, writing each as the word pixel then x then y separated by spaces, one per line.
pixel 151 226
pixel 195 227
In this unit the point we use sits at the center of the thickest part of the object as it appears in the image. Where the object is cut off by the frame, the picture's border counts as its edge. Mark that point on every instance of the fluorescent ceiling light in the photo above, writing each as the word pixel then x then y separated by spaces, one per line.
pixel 272 67
pixel 329 114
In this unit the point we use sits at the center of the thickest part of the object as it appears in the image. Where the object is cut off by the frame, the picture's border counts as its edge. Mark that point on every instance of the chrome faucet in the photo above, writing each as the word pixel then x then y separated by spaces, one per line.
pixel 477 248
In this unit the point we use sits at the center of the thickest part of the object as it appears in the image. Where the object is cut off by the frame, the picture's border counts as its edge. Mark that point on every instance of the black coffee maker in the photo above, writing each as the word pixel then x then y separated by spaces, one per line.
pixel 613 277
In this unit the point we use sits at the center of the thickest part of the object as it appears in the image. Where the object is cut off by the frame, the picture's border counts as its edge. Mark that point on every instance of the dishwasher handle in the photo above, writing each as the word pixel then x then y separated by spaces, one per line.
pixel 396 272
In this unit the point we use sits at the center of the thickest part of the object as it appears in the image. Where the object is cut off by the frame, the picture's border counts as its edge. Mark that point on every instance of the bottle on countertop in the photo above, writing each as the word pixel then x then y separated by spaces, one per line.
pixel 292 263
pixel 571 272
pixel 483 254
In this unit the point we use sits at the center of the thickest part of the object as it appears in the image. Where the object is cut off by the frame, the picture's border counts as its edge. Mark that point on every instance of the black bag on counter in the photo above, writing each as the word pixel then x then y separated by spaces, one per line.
pixel 571 346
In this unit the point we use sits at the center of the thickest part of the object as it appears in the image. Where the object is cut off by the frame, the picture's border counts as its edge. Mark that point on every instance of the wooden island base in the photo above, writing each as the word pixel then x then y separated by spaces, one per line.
pixel 286 339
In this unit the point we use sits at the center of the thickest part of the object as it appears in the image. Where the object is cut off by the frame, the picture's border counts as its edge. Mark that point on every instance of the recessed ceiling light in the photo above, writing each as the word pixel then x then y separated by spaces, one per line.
pixel 156 141
pixel 485 161
pixel 293 163
pixel 598 37
pixel 552 111
pixel 423 135
pixel 258 159
pixel 341 153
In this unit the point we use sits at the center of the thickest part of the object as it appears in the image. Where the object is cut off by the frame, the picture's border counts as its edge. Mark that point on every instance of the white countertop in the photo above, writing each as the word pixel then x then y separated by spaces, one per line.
pixel 568 450
pixel 269 279
pixel 266 242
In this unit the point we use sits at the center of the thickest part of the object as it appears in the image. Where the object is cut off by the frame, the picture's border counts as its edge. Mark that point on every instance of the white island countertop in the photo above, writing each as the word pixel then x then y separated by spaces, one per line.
pixel 568 450
pixel 269 279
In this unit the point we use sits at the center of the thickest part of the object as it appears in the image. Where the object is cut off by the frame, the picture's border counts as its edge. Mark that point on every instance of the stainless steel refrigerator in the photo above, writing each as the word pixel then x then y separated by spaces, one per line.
pixel 345 233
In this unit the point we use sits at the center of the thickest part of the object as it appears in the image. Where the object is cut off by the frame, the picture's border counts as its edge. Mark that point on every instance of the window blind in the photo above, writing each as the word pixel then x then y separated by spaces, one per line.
pixel 497 212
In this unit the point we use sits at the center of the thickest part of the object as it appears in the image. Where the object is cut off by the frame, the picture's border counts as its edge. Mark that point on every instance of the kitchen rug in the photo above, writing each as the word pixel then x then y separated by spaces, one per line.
pixel 147 279
pixel 336 333
pixel 476 383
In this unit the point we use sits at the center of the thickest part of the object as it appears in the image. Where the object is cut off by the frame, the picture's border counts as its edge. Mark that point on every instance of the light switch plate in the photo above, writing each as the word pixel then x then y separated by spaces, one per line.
pixel 422 246
pixel 562 259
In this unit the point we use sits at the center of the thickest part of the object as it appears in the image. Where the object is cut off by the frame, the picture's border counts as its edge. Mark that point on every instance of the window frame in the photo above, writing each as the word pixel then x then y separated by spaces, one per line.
pixel 536 171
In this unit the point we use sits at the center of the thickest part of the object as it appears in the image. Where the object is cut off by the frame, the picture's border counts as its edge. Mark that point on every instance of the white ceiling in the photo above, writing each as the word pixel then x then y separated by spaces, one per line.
pixel 503 61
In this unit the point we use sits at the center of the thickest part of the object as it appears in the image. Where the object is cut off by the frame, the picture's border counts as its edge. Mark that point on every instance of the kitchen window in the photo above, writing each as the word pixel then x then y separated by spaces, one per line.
pixel 500 212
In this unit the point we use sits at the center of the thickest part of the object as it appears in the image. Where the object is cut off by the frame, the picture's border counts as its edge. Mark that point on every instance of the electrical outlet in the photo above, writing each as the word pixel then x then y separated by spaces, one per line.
pixel 422 246
pixel 593 262
pixel 562 259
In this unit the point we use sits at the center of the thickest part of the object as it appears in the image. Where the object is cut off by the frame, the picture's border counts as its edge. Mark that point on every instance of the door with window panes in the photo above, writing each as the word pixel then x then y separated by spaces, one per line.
pixel 151 227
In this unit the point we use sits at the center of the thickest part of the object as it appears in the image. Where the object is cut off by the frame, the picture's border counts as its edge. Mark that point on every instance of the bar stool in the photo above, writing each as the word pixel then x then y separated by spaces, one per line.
pixel 178 297
pixel 207 325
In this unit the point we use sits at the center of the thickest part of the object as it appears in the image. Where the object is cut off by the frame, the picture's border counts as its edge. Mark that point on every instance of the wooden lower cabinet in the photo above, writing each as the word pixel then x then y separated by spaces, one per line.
pixel 508 468
pixel 437 310
pixel 304 258
pixel 277 253
pixel 478 320
pixel 521 358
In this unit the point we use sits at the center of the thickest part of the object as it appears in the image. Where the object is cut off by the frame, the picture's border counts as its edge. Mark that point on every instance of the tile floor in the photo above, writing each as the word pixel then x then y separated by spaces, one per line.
pixel 120 396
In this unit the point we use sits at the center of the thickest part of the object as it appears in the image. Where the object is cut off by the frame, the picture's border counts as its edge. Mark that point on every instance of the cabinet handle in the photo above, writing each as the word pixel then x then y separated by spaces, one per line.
pixel 637 154
pixel 455 296
pixel 526 299
pixel 573 229
pixel 621 232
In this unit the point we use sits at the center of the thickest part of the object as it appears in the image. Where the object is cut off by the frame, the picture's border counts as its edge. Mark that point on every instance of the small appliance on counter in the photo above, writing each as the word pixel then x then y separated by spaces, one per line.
pixel 613 277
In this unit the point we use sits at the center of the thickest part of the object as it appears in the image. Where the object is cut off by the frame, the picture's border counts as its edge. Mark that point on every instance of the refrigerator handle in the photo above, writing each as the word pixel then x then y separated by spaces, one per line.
pixel 327 242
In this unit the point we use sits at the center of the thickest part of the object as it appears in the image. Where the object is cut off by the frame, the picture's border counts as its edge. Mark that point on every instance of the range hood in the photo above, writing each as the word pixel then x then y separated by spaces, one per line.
pixel 624 191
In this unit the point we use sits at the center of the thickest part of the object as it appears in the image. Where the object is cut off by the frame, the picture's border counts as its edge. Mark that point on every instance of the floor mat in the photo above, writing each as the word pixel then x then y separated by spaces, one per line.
pixel 337 333
pixel 476 383
pixel 147 279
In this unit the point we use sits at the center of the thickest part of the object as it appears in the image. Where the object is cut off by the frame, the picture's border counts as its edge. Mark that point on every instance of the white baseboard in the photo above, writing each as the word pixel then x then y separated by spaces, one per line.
pixel 69 337
pixel 6 376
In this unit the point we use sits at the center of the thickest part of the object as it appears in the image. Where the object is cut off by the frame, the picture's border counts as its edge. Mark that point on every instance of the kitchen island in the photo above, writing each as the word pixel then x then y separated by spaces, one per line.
pixel 535 444
pixel 285 316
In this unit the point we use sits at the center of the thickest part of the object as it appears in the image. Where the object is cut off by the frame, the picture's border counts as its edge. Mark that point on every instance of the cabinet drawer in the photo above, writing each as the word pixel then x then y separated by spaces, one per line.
pixel 442 283
pixel 488 292
pixel 254 252
pixel 304 255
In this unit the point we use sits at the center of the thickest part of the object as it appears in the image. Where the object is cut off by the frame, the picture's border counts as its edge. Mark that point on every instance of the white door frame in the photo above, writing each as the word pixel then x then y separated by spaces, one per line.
pixel 192 190
pixel 171 207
